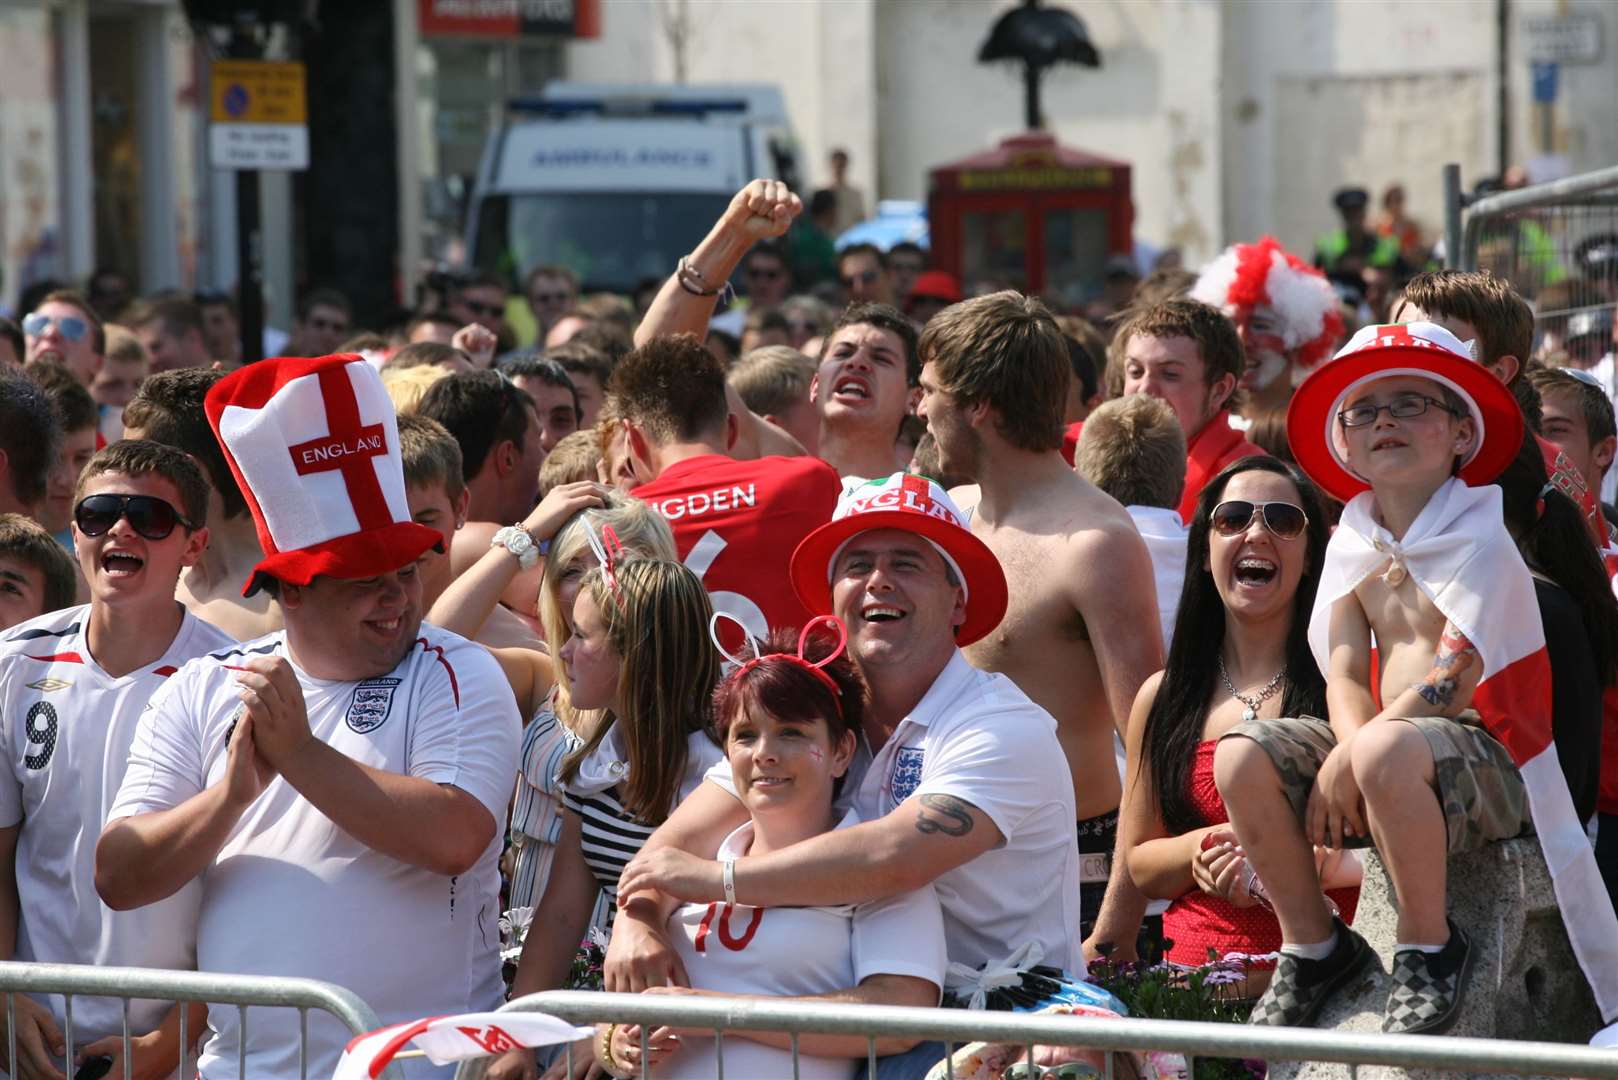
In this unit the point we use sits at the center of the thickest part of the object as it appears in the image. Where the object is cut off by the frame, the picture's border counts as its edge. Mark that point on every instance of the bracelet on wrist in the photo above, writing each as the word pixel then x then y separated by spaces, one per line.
pixel 691 279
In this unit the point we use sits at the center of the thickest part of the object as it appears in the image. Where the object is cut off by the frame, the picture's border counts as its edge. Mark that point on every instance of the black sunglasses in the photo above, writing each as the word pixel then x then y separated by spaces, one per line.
pixel 149 516
pixel 1231 518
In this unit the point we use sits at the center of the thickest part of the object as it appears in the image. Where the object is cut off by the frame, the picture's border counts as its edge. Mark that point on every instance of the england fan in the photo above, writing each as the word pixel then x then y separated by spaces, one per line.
pixel 337 785
pixel 73 684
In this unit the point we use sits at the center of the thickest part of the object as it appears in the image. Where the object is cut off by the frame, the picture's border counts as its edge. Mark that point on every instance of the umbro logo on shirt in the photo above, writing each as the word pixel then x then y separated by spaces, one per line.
pixel 372 701
pixel 48 685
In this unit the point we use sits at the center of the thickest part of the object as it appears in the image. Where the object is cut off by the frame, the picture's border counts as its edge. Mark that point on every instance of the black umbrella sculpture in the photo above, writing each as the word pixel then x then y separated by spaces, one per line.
pixel 1038 37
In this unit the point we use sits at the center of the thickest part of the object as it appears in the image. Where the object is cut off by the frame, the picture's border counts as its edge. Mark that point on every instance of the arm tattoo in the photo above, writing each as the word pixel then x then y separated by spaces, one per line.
pixel 948 815
pixel 1454 656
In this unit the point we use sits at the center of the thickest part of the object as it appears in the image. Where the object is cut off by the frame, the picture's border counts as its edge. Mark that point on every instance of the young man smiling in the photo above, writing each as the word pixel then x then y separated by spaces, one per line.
pixel 73 685
pixel 356 764
pixel 959 779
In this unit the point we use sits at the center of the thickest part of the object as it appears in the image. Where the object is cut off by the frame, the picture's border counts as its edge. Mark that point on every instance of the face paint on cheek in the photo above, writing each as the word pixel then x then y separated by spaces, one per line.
pixel 1269 367
pixel 814 752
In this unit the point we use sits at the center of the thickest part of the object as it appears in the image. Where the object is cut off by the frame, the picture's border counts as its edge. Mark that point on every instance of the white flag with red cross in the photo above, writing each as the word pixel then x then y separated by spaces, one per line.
pixel 447 1039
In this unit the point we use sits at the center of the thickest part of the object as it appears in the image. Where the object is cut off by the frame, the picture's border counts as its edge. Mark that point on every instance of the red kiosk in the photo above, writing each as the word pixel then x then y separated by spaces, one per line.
pixel 1031 215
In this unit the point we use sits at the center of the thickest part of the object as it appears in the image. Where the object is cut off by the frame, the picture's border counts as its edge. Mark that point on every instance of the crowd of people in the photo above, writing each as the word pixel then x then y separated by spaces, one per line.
pixel 854 652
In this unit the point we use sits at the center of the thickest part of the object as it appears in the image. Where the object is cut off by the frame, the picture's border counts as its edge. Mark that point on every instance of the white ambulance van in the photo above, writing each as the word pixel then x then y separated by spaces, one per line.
pixel 617 182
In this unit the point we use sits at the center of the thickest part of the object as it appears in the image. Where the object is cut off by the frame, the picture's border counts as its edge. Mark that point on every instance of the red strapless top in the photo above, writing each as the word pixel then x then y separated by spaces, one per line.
pixel 1197 922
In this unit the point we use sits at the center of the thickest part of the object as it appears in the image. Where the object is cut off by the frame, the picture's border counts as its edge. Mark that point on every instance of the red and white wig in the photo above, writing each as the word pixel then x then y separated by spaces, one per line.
pixel 1246 276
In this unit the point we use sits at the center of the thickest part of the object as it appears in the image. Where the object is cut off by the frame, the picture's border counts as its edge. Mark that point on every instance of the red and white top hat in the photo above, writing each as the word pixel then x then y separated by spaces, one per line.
pixel 1245 276
pixel 1425 350
pixel 914 504
pixel 314 446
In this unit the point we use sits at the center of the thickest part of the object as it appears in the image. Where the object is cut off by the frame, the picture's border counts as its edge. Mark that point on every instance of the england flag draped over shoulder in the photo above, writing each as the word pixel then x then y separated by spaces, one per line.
pixel 448 1039
pixel 1459 554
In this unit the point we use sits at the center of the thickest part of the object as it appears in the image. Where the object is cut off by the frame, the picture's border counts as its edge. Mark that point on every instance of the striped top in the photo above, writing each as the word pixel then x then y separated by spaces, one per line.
pixel 611 834
pixel 536 812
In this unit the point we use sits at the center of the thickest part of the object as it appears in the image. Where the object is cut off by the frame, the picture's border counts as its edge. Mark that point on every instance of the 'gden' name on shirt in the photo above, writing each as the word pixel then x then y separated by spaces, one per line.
pixel 698 503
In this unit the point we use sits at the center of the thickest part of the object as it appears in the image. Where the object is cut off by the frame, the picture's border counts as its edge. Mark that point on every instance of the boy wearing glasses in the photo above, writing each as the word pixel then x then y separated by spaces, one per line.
pixel 73 684
pixel 1449 746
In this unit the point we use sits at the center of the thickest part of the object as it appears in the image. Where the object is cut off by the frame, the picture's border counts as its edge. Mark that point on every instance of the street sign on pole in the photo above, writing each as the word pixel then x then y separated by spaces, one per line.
pixel 1562 39
pixel 258 112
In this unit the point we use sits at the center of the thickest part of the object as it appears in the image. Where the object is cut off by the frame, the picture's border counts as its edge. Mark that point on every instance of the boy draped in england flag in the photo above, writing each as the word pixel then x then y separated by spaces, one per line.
pixel 1437 684
pixel 73 686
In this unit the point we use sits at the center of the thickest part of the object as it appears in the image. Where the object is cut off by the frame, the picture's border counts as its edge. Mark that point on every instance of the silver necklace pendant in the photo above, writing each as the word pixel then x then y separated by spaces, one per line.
pixel 1249 715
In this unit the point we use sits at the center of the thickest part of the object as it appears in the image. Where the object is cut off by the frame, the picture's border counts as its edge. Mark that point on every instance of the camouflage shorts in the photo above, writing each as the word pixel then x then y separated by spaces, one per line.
pixel 1479 788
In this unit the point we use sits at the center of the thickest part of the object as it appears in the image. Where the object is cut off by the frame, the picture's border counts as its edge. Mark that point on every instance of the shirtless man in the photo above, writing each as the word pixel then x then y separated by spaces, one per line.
pixel 168 409
pixel 866 381
pixel 1081 633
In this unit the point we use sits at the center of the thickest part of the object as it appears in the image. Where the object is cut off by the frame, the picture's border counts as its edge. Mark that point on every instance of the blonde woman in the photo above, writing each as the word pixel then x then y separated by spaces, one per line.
pixel 562 523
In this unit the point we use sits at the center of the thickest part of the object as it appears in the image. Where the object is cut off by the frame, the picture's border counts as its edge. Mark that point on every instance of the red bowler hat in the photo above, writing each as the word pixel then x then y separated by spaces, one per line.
pixel 914 504
pixel 1424 350
pixel 314 446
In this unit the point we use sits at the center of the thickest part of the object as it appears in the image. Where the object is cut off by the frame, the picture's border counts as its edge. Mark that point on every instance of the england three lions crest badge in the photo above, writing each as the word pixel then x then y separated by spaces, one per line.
pixel 372 701
pixel 907 765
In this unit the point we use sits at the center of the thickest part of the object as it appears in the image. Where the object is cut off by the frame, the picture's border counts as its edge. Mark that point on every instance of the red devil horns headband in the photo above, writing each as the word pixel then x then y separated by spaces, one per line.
pixel 815 667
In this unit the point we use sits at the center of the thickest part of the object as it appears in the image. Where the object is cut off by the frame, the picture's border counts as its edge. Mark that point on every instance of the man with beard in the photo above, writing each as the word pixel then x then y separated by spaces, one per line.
pixel 994 387
pixel 355 765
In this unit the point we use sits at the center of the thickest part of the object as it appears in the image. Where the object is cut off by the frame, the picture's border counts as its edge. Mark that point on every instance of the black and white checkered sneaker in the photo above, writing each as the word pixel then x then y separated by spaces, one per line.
pixel 1300 987
pixel 1427 987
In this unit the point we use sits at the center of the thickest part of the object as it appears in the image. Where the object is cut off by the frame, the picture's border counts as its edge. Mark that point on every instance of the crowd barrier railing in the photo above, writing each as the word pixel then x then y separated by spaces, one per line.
pixel 131 984
pixel 958 1027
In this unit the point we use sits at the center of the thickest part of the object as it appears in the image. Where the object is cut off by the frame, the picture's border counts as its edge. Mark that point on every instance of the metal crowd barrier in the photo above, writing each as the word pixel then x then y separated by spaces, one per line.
pixel 956 1027
pixel 242 991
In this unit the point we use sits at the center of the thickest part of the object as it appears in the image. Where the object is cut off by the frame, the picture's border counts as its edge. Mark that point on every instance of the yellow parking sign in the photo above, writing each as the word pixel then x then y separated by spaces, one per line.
pixel 258 111
pixel 257 92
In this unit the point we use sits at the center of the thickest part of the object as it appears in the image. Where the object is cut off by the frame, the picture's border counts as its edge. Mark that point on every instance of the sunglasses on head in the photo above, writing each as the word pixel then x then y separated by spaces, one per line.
pixel 72 327
pixel 1283 519
pixel 149 516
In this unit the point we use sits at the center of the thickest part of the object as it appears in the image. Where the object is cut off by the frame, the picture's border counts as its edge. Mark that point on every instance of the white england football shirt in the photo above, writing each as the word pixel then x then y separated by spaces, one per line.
pixel 796 952
pixel 292 894
pixel 66 726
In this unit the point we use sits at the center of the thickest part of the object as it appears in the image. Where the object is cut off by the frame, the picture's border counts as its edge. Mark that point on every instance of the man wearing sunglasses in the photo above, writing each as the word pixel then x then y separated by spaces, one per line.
pixel 73 686
pixel 863 271
pixel 65 328
pixel 551 292
pixel 482 300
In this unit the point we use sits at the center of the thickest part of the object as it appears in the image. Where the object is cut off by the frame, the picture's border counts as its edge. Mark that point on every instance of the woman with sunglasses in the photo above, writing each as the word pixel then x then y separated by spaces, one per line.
pixel 1255 551
pixel 789 724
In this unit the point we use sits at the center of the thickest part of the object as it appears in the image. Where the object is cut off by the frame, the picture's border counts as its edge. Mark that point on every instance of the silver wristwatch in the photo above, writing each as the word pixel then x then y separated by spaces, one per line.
pixel 515 539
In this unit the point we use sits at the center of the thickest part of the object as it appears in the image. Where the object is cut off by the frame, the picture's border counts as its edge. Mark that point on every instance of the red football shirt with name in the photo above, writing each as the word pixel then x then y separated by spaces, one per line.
pixel 736 524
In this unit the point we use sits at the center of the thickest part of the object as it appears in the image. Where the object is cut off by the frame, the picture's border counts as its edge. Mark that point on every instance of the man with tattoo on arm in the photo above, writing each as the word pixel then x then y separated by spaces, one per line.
pixel 1447 747
pixel 959 779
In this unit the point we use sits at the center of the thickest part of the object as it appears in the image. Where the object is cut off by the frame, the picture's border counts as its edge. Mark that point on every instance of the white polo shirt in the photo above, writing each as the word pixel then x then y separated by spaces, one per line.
pixel 796 952
pixel 976 736
pixel 292 894
pixel 66 727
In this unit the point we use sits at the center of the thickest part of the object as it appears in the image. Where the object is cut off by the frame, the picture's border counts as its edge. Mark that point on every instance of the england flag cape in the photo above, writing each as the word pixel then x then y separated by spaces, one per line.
pixel 1459 554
